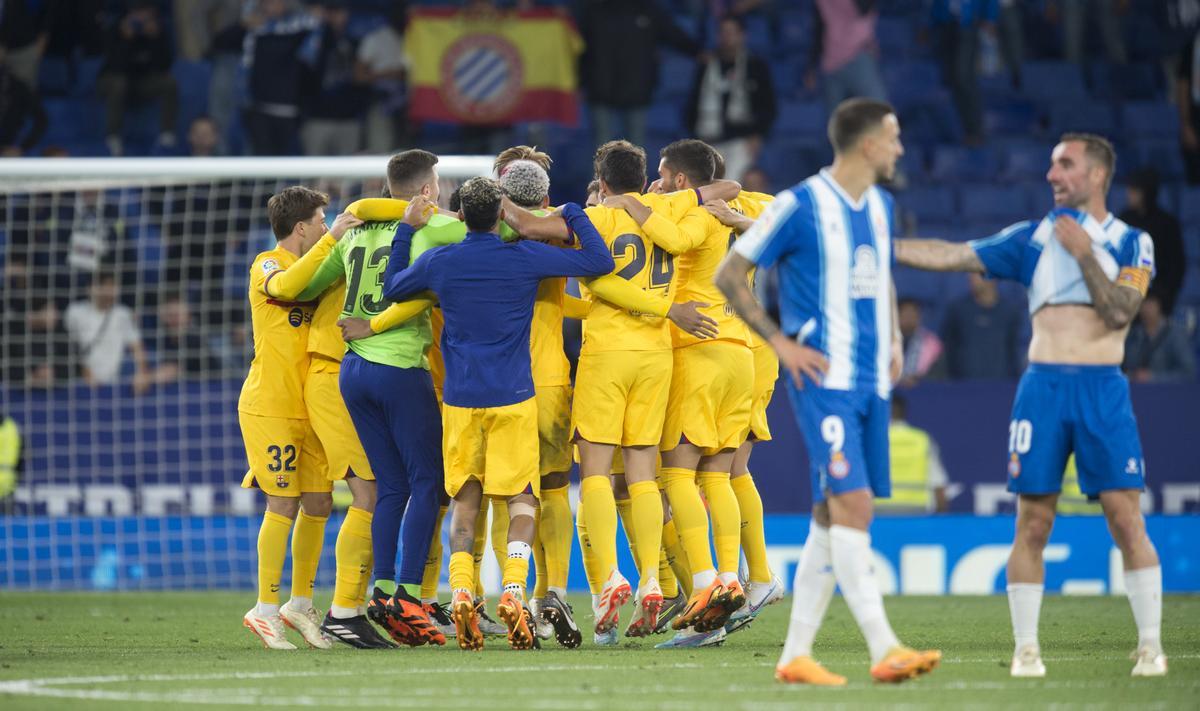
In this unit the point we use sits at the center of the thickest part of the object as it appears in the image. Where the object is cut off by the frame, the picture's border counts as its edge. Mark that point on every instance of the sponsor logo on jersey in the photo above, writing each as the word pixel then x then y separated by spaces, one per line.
pixel 270 265
pixel 296 317
pixel 1014 465
pixel 839 466
pixel 864 275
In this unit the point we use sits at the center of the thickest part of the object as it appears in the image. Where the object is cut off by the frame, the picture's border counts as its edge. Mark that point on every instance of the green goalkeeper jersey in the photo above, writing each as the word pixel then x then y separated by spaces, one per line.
pixel 362 257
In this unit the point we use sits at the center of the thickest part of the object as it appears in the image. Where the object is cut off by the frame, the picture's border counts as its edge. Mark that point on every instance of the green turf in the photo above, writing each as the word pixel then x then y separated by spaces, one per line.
pixel 186 649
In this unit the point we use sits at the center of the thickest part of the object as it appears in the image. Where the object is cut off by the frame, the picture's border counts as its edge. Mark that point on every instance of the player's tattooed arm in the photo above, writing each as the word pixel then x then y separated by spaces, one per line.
pixel 1116 304
pixel 799 360
pixel 937 255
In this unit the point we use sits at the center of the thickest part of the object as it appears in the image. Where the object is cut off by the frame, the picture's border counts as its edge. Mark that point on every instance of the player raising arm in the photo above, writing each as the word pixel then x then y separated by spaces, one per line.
pixel 1086 273
pixel 487 290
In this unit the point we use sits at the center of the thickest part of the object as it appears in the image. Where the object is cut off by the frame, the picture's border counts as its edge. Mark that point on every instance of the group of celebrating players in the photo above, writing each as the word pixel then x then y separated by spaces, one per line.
pixel 417 354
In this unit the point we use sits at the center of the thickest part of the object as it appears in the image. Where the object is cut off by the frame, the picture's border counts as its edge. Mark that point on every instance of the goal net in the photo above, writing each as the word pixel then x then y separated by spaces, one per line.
pixel 125 339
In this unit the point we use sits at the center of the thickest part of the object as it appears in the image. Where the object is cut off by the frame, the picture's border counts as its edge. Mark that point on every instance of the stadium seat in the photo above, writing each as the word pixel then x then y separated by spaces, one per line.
pixel 664 120
pixel 1013 117
pixel 998 201
pixel 1189 205
pixel 1090 116
pixel 1129 82
pixel 934 203
pixel 926 287
pixel 1191 243
pixel 896 36
pixel 913 79
pixel 1048 81
pixel 1150 119
pixel 1162 154
pixel 1023 161
pixel 1190 293
pixel 956 163
pixel 676 73
pixel 802 118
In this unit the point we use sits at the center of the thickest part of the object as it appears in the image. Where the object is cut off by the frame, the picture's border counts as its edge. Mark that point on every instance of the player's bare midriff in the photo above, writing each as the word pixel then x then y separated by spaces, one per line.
pixel 1074 333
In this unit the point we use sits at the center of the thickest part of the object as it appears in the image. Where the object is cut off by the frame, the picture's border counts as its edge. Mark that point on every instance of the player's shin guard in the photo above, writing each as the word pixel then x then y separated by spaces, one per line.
pixel 726 519
pixel 591 564
pixel 691 521
pixel 555 533
pixel 353 553
pixel 647 518
pixel 272 550
pixel 676 558
pixel 753 540
pixel 433 561
pixel 855 573
pixel 596 497
pixel 307 540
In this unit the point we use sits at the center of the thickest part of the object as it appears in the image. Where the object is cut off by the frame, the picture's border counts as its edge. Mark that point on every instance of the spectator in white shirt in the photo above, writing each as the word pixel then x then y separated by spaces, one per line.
pixel 101 330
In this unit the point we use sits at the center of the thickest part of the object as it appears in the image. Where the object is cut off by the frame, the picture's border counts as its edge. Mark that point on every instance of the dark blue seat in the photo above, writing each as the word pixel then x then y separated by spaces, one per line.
pixel 803 118
pixel 1162 154
pixel 1089 116
pixel 1048 81
pixel 1023 161
pixel 994 201
pixel 1189 206
pixel 956 163
pixel 929 202
pixel 1191 244
pixel 1149 119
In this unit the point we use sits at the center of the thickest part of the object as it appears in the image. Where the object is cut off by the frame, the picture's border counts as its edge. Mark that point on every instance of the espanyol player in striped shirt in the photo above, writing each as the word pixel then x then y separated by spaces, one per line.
pixel 831 238
pixel 1086 272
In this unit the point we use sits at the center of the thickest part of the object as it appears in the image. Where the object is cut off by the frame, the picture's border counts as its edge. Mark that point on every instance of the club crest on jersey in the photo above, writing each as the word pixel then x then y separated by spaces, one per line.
pixel 481 77
pixel 296 317
pixel 864 275
pixel 1014 465
pixel 281 480
pixel 1131 467
pixel 839 466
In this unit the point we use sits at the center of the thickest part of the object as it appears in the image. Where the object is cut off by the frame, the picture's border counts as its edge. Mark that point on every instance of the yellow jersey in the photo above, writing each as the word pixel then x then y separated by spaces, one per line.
pixel 642 263
pixel 274 386
pixel 751 205
pixel 546 355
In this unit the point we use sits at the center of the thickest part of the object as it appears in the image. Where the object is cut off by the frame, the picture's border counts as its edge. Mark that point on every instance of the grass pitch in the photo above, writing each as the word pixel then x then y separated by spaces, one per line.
pixel 153 650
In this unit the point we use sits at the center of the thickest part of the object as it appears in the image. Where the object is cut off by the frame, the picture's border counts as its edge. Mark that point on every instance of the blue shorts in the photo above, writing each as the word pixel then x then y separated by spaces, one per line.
pixel 846 434
pixel 1083 409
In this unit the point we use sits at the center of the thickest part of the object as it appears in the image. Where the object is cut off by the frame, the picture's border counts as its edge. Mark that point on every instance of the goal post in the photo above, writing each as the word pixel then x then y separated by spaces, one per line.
pixel 130 455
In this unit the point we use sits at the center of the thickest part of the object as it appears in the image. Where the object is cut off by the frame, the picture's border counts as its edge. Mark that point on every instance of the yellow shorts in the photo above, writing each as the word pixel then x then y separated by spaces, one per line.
pixel 497 446
pixel 766 372
pixel 621 397
pixel 554 428
pixel 710 397
pixel 286 458
pixel 331 421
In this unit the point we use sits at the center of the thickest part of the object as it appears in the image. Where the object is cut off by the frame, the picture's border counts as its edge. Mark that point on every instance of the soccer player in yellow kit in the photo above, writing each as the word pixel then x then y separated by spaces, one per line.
pixel 763 586
pixel 622 384
pixel 346 621
pixel 286 458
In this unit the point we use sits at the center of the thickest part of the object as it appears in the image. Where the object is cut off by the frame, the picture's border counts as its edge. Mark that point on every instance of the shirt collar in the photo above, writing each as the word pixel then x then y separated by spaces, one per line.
pixel 473 236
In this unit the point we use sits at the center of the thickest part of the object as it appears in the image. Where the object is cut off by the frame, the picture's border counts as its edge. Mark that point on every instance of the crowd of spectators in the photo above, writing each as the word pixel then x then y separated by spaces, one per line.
pixel 329 77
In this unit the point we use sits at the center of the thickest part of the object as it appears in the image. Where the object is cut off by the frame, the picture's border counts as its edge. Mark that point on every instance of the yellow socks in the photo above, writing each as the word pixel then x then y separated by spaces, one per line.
pixel 353 553
pixel 481 531
pixel 596 498
pixel 726 519
pixel 754 542
pixel 499 532
pixel 676 559
pixel 555 535
pixel 625 511
pixel 462 571
pixel 272 550
pixel 591 565
pixel 691 521
pixel 433 562
pixel 647 520
pixel 307 541
pixel 540 585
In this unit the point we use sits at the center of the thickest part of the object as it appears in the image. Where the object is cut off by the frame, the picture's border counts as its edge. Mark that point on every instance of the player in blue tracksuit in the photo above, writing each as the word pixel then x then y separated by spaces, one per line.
pixel 487 289
pixel 1086 272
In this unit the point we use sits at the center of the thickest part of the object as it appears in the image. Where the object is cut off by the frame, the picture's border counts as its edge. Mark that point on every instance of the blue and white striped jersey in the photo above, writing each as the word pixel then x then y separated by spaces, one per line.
pixel 1029 253
pixel 835 274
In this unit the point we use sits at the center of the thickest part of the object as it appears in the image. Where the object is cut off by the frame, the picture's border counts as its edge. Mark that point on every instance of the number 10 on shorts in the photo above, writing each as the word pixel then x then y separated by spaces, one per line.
pixel 1020 436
